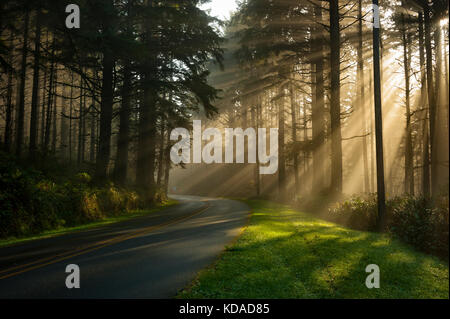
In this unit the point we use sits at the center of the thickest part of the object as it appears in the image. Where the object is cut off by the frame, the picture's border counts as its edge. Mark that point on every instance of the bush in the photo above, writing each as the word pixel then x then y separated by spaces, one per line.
pixel 18 198
pixel 31 202
pixel 357 212
pixel 117 201
pixel 418 222
pixel 414 220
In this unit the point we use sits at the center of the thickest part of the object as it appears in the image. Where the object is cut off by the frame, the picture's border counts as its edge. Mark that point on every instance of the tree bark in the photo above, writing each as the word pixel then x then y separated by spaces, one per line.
pixel 441 119
pixel 48 117
pixel 294 139
pixel 335 109
pixel 423 100
pixel 318 107
pixel 93 137
pixel 21 106
pixel 281 154
pixel 145 169
pixel 372 137
pixel 80 153
pixel 255 123
pixel 381 200
pixel 44 97
pixel 35 93
pixel 106 109
pixel 121 164
pixel 161 153
pixel 409 164
pixel 9 104
pixel 167 163
pixel 431 99
pixel 55 114
pixel 361 99
pixel 63 145
pixel 70 117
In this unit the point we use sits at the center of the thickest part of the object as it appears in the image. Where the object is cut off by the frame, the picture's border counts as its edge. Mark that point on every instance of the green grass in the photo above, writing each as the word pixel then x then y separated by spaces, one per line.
pixel 99 223
pixel 284 253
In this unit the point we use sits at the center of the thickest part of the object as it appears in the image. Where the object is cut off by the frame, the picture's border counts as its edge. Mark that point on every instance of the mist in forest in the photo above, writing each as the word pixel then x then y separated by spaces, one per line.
pixel 105 97
pixel 280 59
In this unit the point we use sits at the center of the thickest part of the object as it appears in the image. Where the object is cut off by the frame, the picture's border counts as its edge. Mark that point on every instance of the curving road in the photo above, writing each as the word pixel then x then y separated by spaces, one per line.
pixel 147 257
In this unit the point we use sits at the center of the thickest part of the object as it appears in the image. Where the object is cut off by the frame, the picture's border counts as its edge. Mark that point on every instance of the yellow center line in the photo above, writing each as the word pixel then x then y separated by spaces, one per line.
pixel 62 254
pixel 59 257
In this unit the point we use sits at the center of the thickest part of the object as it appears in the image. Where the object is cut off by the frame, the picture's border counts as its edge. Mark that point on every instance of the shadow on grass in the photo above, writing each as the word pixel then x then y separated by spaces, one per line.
pixel 288 254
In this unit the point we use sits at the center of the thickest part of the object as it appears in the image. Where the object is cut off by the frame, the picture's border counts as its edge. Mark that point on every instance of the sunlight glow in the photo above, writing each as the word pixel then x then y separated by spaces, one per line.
pixel 220 8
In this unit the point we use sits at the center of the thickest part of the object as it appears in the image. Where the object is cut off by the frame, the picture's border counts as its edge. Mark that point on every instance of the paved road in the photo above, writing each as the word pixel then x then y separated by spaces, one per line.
pixel 148 257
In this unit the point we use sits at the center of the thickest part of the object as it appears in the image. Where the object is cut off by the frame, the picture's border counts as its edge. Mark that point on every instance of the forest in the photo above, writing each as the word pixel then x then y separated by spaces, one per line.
pixel 361 108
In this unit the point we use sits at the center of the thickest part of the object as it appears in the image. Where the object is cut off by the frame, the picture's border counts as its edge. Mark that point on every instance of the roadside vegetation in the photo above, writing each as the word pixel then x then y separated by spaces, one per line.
pixel 285 253
pixel 418 221
pixel 50 198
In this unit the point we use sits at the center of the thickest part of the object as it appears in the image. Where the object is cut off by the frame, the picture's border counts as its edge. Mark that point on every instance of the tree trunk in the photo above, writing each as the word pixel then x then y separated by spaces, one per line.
pixel 318 107
pixel 145 168
pixel 35 93
pixel 44 98
pixel 441 120
pixel 21 108
pixel 167 163
pixel 106 109
pixel 55 114
pixel 305 139
pixel 64 126
pixel 431 97
pixel 48 117
pixel 446 97
pixel 257 125
pixel 409 166
pixel 93 137
pixel 423 100
pixel 372 137
pixel 161 153
pixel 335 109
pixel 70 118
pixel 121 164
pixel 146 142
pixel 294 140
pixel 281 155
pixel 80 148
pixel 361 99
pixel 9 105
pixel 381 220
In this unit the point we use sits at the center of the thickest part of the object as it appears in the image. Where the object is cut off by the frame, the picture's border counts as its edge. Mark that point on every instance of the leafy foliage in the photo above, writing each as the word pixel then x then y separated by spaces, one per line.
pixel 414 220
pixel 31 202
pixel 357 212
pixel 425 226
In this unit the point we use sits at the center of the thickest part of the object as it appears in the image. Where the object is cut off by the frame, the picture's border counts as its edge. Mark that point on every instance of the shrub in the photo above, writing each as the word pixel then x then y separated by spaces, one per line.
pixel 89 209
pixel 420 223
pixel 160 195
pixel 16 198
pixel 414 220
pixel 357 212
pixel 110 200
pixel 31 202
pixel 131 199
pixel 83 178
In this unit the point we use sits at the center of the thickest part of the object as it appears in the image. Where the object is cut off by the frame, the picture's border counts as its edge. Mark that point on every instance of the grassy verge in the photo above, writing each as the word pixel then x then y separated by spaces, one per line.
pixel 288 254
pixel 104 221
